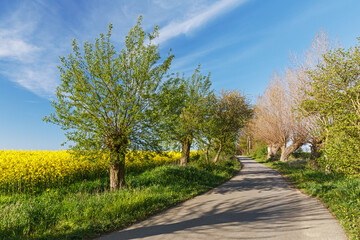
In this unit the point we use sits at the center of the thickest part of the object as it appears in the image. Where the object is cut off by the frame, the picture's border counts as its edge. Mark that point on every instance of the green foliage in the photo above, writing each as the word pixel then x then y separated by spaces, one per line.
pixel 184 106
pixel 335 96
pixel 340 193
pixel 259 151
pixel 86 209
pixel 342 153
pixel 231 110
pixel 105 100
pixel 301 154
pixel 242 145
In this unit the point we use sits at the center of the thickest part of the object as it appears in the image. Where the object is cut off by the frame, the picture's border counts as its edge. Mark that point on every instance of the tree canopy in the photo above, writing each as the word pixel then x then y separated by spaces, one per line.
pixel 106 98
pixel 111 102
pixel 184 103
pixel 232 111
pixel 336 95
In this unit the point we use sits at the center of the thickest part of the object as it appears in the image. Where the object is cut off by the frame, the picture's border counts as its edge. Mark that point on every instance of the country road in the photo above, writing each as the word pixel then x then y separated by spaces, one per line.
pixel 255 204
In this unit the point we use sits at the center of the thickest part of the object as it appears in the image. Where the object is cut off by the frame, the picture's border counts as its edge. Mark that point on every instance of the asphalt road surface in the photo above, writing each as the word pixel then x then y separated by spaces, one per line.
pixel 255 204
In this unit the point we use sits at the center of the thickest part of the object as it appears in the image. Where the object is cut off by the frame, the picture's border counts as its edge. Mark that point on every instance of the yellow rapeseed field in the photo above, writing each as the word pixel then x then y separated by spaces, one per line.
pixel 27 170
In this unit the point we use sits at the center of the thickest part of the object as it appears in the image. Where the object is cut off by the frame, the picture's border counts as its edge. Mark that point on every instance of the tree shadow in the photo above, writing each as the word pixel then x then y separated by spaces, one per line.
pixel 263 215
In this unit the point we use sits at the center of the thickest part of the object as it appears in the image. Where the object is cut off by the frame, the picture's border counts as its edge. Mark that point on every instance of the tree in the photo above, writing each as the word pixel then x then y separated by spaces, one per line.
pixel 246 139
pixel 105 99
pixel 184 106
pixel 280 117
pixel 297 126
pixel 232 111
pixel 208 129
pixel 269 124
pixel 276 123
pixel 303 84
pixel 336 95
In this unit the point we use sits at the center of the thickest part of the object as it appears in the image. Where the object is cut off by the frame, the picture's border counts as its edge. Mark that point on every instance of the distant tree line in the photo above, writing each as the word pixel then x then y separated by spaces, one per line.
pixel 120 101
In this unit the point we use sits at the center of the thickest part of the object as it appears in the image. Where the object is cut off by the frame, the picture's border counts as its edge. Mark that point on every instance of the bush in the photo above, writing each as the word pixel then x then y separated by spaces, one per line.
pixel 301 154
pixel 342 154
pixel 260 152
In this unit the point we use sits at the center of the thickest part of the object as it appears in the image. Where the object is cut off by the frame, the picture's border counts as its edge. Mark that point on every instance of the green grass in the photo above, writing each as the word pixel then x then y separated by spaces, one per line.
pixel 340 193
pixel 87 209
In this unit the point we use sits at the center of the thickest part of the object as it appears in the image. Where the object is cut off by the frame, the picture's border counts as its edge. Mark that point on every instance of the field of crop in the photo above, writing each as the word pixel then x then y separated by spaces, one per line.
pixel 23 171
pixel 70 196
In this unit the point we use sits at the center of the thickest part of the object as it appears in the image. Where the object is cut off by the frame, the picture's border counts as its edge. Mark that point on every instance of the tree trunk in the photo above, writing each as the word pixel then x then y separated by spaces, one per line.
pixel 117 172
pixel 248 145
pixel 185 153
pixel 314 150
pixel 286 151
pixel 315 145
pixel 272 151
pixel 218 153
pixel 207 153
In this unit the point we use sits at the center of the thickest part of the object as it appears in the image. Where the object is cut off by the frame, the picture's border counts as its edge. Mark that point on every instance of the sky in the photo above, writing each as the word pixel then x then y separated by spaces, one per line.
pixel 240 42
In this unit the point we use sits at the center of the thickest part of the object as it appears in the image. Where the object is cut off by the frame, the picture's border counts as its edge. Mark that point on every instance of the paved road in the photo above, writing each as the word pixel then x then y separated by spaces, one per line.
pixel 255 204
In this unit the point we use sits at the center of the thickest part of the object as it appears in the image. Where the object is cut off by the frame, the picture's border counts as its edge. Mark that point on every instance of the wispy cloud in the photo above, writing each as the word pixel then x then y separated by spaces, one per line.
pixel 12 46
pixel 41 80
pixel 197 20
pixel 33 34
pixel 24 58
pixel 14 43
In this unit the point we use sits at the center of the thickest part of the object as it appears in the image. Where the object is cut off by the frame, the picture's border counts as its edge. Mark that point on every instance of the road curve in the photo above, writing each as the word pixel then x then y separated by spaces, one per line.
pixel 255 204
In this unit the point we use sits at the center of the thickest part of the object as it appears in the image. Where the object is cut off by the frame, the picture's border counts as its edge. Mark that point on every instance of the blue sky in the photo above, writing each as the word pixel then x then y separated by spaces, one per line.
pixel 241 42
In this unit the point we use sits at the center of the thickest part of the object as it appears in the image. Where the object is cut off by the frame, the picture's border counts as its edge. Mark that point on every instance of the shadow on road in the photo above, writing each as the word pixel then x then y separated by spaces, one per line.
pixel 272 207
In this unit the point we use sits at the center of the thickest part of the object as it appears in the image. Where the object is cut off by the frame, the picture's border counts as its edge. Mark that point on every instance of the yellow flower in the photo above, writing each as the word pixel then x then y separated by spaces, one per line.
pixel 26 170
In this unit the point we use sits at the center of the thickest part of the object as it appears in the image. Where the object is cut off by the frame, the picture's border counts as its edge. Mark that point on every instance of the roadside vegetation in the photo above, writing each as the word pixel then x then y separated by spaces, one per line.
pixel 125 118
pixel 87 208
pixel 116 101
pixel 314 103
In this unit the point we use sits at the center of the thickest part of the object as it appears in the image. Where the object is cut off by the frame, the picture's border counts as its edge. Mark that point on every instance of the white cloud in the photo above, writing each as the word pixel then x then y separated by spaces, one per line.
pixel 40 78
pixel 200 18
pixel 14 44
pixel 40 81
pixel 16 48
pixel 25 58
pixel 36 33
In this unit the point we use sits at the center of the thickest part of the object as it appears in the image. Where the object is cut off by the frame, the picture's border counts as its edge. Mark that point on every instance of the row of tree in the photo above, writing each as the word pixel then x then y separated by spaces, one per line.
pixel 121 101
pixel 316 101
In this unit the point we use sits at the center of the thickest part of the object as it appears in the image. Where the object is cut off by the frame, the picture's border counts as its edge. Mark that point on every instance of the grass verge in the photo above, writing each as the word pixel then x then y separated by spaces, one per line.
pixel 87 209
pixel 340 193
